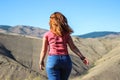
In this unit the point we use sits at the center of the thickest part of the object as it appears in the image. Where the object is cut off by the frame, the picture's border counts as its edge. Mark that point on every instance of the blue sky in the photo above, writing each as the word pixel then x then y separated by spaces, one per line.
pixel 83 16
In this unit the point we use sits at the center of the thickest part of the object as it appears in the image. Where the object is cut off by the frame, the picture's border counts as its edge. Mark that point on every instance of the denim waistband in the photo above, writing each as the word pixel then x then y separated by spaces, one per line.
pixel 55 54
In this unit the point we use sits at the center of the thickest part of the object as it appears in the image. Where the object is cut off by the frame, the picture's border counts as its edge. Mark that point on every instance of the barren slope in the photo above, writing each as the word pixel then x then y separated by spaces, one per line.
pixel 24 52
pixel 12 70
pixel 107 67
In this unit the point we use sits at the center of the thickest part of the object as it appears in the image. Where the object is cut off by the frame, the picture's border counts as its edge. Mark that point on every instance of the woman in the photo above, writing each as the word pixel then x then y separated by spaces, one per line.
pixel 58 64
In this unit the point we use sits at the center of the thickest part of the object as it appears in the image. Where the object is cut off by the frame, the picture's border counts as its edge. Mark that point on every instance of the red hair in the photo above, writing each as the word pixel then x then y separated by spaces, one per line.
pixel 59 25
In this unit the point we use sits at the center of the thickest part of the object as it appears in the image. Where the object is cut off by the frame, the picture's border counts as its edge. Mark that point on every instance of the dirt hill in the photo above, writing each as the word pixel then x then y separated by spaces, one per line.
pixel 20 55
pixel 108 66
pixel 13 70
pixel 23 30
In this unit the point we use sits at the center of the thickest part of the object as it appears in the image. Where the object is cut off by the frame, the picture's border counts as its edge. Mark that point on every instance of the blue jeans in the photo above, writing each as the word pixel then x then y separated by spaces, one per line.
pixel 58 67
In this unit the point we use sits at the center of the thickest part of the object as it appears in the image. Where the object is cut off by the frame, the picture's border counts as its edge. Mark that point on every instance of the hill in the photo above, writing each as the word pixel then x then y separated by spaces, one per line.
pixel 25 50
pixel 12 70
pixel 23 30
pixel 19 56
pixel 106 67
pixel 38 32
pixel 100 34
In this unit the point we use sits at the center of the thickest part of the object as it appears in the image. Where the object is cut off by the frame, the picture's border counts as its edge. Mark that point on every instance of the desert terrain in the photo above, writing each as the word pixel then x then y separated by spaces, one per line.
pixel 19 57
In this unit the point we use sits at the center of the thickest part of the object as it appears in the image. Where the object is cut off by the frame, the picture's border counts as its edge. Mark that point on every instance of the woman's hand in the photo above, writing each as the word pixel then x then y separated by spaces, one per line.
pixel 41 65
pixel 85 61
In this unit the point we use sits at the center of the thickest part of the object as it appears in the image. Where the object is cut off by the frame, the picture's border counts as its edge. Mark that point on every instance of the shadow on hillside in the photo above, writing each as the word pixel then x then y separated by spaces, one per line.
pixel 4 51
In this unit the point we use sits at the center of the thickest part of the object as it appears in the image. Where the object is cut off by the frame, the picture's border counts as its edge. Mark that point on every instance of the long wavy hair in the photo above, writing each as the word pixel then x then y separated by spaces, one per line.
pixel 59 25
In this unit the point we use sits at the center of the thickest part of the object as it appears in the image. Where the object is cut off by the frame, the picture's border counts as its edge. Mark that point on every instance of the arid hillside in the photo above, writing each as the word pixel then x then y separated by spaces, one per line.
pixel 19 56
pixel 108 66
pixel 23 30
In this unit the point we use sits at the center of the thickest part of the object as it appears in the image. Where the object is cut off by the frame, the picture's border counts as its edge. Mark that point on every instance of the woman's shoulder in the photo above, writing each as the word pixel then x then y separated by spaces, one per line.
pixel 48 33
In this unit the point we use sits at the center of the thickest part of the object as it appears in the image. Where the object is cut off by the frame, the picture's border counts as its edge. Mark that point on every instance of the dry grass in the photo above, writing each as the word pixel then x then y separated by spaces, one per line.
pixel 107 67
pixel 102 53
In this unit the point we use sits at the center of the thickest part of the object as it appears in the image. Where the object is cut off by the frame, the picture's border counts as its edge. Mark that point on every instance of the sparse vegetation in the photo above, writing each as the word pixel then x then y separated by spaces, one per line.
pixel 103 54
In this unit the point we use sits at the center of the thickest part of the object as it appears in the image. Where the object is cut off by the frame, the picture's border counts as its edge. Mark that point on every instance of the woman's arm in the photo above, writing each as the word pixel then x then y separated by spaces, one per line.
pixel 76 50
pixel 43 53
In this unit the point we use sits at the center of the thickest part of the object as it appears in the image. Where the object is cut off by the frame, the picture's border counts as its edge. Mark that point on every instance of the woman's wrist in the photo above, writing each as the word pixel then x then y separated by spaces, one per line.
pixel 41 62
pixel 82 58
